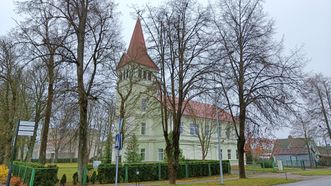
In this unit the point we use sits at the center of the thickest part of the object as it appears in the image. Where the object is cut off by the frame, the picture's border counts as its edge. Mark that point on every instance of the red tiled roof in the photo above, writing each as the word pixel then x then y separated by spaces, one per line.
pixel 205 110
pixel 290 146
pixel 137 51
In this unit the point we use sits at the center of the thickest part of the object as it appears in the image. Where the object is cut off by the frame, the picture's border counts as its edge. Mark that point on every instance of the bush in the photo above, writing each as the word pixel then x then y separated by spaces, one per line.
pixel 44 175
pixel 94 177
pixel 63 180
pixel 3 173
pixel 266 164
pixel 159 171
pixel 75 178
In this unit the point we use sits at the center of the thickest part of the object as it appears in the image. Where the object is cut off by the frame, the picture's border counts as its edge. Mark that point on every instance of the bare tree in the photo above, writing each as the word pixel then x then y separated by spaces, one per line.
pixel 317 95
pixel 255 78
pixel 36 84
pixel 206 123
pixel 10 76
pixel 94 41
pixel 43 33
pixel 178 33
pixel 304 126
pixel 63 128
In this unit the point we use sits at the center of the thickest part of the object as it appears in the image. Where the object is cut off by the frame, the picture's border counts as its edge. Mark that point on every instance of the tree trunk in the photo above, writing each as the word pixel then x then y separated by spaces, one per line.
pixel 48 112
pixel 29 154
pixel 172 171
pixel 82 95
pixel 241 137
pixel 323 110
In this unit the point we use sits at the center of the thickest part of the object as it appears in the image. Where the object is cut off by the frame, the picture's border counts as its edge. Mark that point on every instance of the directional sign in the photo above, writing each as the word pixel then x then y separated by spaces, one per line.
pixel 26 128
pixel 27 123
pixel 25 133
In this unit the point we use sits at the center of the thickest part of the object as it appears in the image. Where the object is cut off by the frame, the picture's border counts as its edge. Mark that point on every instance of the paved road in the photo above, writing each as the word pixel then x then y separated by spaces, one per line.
pixel 322 181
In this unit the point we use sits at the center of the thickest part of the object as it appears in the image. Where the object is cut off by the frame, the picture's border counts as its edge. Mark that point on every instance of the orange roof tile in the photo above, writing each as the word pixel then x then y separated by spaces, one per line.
pixel 137 51
pixel 205 110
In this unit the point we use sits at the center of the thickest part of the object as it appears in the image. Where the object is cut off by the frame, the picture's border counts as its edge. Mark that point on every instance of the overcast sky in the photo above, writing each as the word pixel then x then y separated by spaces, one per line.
pixel 304 23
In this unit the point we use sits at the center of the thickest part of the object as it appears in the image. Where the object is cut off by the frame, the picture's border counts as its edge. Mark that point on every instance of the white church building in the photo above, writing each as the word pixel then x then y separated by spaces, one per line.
pixel 135 93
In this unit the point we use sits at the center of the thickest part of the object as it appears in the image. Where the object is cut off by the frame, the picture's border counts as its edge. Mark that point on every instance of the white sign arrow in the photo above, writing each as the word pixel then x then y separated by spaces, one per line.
pixel 25 133
pixel 25 128
pixel 27 123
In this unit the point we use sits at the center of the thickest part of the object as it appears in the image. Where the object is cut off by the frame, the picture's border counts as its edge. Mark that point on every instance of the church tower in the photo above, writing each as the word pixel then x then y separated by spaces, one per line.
pixel 136 88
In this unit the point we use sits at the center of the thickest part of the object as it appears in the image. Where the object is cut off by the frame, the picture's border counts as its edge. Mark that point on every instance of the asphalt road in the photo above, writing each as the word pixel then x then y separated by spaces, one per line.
pixel 322 181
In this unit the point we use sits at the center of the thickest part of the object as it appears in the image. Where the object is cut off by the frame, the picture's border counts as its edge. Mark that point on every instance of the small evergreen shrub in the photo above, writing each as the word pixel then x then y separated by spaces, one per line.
pixel 63 180
pixel 94 177
pixel 266 163
pixel 75 178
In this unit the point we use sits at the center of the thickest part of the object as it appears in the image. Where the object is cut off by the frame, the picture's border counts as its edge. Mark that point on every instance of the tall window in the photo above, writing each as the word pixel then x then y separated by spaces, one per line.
pixel 145 74
pixel 193 129
pixel 181 128
pixel 143 128
pixel 160 154
pixel 229 154
pixel 139 73
pixel 149 75
pixel 228 132
pixel 144 102
pixel 142 154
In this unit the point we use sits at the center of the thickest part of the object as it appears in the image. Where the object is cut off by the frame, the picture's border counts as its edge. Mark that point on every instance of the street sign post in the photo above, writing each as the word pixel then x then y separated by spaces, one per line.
pixel 23 128
pixel 118 147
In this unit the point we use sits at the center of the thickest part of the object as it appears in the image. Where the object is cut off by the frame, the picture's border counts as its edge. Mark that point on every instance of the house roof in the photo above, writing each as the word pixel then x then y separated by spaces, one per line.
pixel 324 151
pixel 137 51
pixel 205 110
pixel 290 146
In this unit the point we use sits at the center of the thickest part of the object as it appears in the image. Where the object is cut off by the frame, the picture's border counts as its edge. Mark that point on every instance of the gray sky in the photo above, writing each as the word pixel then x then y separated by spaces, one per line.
pixel 304 23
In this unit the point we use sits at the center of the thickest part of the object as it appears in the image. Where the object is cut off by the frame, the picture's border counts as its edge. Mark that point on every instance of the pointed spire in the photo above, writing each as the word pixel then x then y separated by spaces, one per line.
pixel 137 44
pixel 137 51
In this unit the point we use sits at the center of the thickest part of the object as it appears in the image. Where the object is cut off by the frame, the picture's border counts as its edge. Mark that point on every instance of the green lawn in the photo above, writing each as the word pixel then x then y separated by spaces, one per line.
pixel 236 182
pixel 313 172
pixel 254 182
pixel 66 168
pixel 257 168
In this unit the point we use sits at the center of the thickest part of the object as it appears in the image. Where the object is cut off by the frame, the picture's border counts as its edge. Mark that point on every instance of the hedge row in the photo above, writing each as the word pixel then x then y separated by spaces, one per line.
pixel 44 175
pixel 62 160
pixel 266 163
pixel 159 171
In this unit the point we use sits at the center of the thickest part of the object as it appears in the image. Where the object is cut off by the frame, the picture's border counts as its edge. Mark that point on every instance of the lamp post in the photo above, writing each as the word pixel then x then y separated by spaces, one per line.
pixel 218 134
pixel 219 146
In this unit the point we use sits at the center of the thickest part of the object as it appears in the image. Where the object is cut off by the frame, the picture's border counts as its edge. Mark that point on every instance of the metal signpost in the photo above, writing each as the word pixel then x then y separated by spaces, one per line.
pixel 219 146
pixel 118 147
pixel 23 128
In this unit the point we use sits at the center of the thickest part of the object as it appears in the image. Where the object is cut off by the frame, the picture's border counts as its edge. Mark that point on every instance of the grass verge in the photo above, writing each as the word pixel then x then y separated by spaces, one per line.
pixel 234 182
pixel 313 172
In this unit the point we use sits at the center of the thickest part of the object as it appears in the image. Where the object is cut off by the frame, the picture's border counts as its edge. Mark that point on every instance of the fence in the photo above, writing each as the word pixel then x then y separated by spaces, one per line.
pixel 31 175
